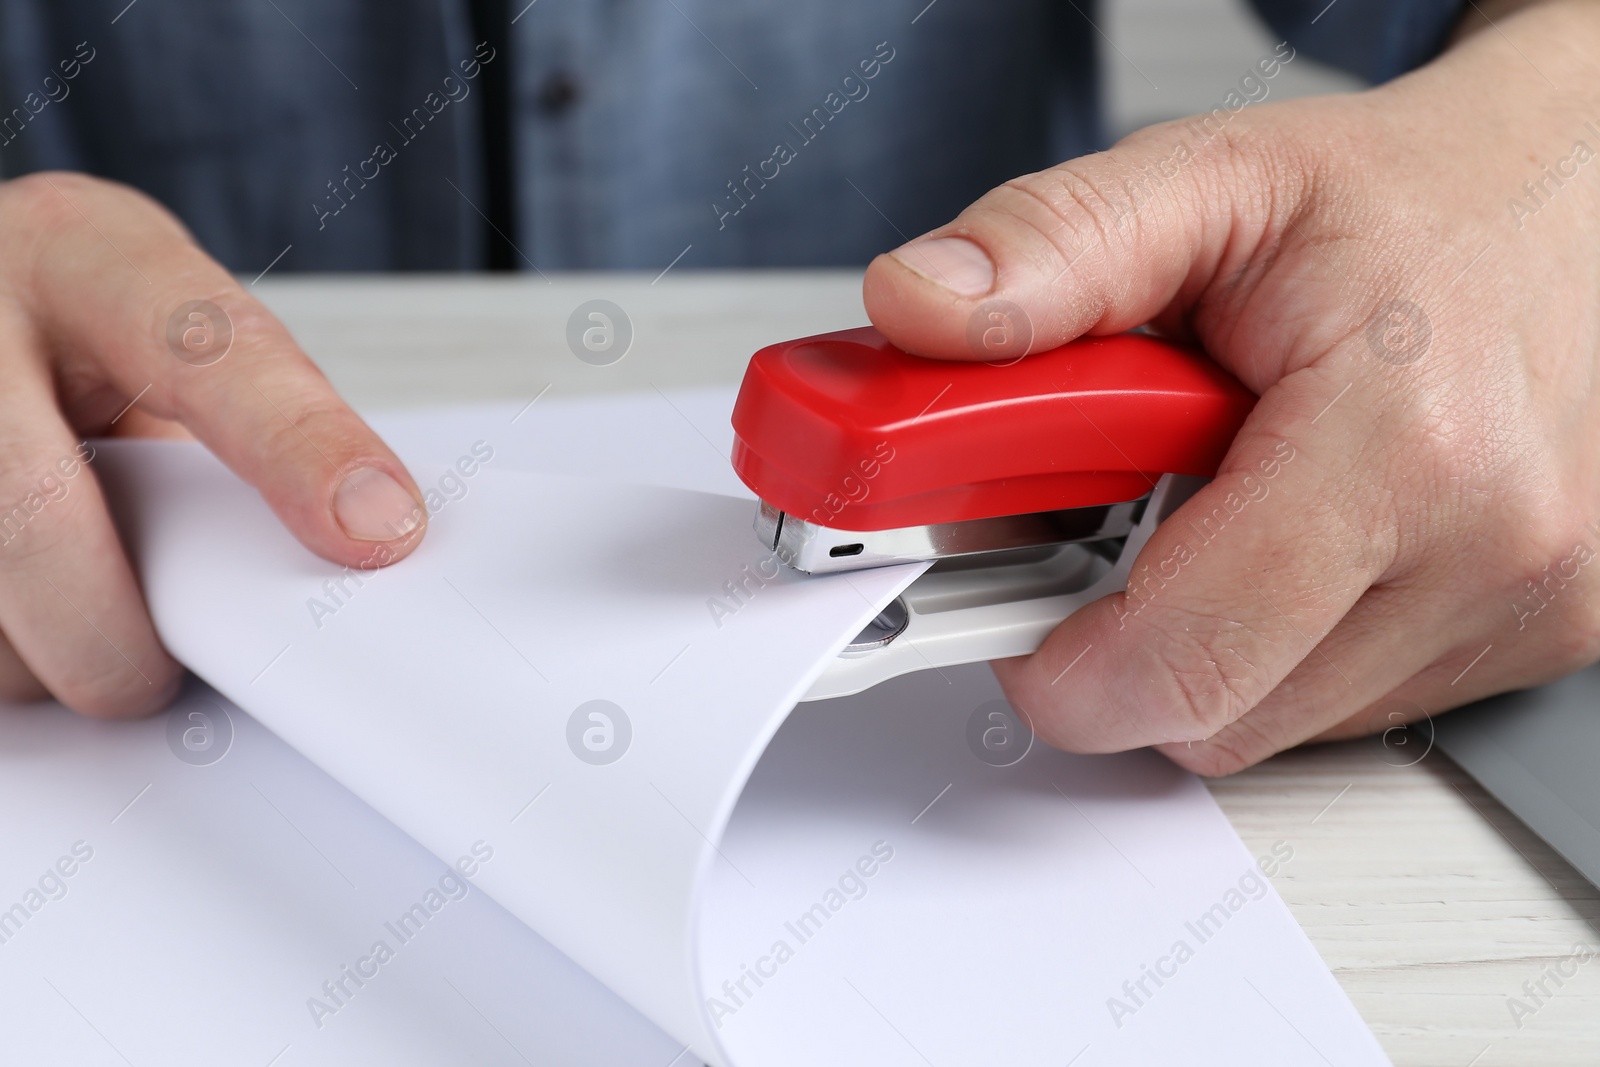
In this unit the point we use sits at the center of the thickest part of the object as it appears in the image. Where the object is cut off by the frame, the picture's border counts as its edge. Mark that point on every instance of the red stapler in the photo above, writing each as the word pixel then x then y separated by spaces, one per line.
pixel 1030 484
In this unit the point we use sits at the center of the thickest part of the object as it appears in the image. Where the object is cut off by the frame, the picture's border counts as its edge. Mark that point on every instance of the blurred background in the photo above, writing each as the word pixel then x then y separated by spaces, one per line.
pixel 1169 58
pixel 628 135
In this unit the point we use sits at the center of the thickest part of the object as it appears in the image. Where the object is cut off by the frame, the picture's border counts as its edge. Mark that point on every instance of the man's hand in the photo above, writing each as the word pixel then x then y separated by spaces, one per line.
pixel 95 286
pixel 1410 280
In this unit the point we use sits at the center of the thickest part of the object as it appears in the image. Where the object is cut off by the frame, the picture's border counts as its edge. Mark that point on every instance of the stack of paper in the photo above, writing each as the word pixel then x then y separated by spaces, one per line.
pixel 543 698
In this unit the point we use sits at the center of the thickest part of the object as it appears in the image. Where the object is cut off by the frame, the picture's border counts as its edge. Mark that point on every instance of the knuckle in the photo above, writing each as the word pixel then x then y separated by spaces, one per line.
pixel 39 208
pixel 1198 683
pixel 34 488
pixel 1099 201
pixel 33 211
pixel 1247 148
pixel 1082 202
pixel 1445 444
pixel 316 414
pixel 1560 586
pixel 43 203
pixel 1577 641
pixel 265 345
pixel 52 191
pixel 1544 564
pixel 1554 533
pixel 40 197
pixel 1192 171
pixel 235 327
pixel 1047 219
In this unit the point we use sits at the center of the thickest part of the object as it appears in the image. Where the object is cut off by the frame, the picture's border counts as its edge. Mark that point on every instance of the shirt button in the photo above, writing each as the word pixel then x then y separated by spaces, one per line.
pixel 558 93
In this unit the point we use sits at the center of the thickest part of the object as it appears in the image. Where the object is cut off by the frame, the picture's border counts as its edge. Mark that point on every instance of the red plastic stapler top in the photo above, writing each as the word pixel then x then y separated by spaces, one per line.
pixel 844 433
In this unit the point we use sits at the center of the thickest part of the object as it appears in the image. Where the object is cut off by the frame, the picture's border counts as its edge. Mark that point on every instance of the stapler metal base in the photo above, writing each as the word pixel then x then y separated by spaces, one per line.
pixel 814 549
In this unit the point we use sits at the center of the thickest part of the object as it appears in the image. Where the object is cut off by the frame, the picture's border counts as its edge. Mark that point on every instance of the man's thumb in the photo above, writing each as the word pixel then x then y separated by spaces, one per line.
pixel 1097 245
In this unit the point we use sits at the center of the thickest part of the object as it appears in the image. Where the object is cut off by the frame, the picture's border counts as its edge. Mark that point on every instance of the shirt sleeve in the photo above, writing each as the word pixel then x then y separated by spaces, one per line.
pixel 1377 39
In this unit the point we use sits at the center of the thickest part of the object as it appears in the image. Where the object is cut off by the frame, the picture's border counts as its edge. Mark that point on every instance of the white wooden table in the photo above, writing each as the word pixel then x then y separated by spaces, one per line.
pixel 1429 901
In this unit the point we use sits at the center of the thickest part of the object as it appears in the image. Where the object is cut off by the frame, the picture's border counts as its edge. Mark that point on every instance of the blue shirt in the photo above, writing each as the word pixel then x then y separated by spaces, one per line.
pixel 449 134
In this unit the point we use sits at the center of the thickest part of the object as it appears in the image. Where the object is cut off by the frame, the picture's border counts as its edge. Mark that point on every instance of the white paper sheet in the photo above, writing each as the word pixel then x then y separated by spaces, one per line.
pixel 452 692
pixel 1015 902
pixel 223 890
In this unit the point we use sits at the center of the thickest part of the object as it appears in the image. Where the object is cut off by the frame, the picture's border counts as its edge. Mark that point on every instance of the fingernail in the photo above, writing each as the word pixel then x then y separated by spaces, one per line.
pixel 371 506
pixel 953 262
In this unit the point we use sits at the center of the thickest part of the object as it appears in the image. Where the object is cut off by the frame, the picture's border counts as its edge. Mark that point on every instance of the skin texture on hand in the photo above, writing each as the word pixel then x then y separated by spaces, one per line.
pixel 1409 278
pixel 112 320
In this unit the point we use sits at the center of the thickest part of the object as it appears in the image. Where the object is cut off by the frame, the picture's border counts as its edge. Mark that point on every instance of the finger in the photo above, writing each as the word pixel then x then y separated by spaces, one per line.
pixel 18 685
pixel 1474 623
pixel 1549 627
pixel 139 423
pixel 1096 245
pixel 1351 678
pixel 1231 593
pixel 226 369
pixel 69 603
